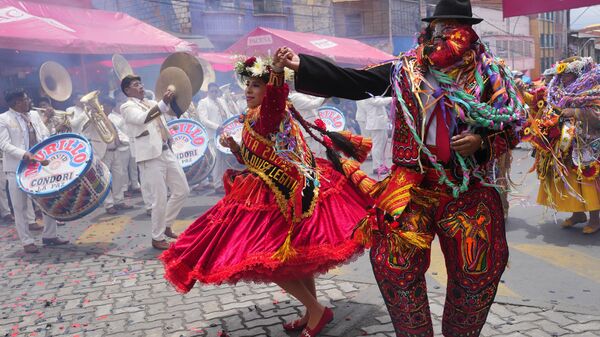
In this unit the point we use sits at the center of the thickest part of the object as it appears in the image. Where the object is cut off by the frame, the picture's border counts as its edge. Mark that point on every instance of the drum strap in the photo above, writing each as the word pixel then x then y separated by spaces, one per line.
pixel 30 129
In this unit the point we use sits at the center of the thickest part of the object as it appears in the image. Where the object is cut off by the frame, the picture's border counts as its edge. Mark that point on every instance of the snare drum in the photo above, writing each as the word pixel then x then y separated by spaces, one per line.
pixel 234 128
pixel 190 144
pixel 72 185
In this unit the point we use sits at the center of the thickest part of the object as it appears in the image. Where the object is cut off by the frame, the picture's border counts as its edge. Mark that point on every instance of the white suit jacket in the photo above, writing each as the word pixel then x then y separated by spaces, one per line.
pixel 12 138
pixel 210 115
pixel 306 104
pixel 377 113
pixel 78 122
pixel 121 128
pixel 147 139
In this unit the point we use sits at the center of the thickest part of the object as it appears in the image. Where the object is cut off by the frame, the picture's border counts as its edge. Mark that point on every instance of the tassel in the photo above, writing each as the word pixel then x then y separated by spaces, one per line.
pixel 404 241
pixel 335 159
pixel 354 146
pixel 286 250
pixel 362 145
pixel 380 187
pixel 419 240
pixel 363 231
pixel 359 178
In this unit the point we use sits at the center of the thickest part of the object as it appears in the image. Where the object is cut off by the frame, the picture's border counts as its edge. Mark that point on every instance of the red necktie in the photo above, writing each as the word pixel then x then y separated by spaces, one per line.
pixel 442 135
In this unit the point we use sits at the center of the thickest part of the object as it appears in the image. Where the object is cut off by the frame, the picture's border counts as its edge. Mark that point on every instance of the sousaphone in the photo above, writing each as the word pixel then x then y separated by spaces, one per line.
pixel 55 81
pixel 121 67
pixel 209 74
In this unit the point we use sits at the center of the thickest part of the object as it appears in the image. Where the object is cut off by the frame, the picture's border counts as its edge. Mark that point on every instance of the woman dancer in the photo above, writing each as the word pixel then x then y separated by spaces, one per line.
pixel 286 218
pixel 566 136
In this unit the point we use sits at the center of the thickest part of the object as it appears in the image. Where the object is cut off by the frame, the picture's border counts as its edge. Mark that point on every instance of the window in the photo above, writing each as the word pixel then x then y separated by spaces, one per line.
pixel 542 40
pixel 222 5
pixel 354 24
pixel 268 7
pixel 502 48
pixel 526 49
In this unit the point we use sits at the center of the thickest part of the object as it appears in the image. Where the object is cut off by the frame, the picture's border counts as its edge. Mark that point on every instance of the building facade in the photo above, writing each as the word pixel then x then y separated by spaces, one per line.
pixel 550 32
pixel 507 38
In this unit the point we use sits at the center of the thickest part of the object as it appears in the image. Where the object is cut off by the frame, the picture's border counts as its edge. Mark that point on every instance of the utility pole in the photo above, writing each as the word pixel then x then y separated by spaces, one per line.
pixel 390 18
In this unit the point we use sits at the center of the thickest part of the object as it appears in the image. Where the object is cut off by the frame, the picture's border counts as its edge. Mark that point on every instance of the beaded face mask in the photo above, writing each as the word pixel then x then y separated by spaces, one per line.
pixel 445 42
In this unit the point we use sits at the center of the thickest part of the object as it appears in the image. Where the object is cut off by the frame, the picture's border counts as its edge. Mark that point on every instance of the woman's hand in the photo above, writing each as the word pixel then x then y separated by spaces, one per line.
pixel 287 58
pixel 227 141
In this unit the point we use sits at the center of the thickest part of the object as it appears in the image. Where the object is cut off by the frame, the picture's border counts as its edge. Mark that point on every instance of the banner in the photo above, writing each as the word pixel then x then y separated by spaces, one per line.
pixel 519 7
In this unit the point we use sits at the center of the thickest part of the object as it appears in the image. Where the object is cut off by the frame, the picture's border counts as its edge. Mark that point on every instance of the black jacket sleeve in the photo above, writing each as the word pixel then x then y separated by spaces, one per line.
pixel 318 77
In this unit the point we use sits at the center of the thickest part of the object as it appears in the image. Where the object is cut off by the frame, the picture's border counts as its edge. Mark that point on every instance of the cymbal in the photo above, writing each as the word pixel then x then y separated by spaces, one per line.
pixel 209 74
pixel 55 81
pixel 190 65
pixel 121 67
pixel 175 78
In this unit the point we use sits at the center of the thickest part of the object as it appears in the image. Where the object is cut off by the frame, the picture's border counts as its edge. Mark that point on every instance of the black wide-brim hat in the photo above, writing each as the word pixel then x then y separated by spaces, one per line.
pixel 459 10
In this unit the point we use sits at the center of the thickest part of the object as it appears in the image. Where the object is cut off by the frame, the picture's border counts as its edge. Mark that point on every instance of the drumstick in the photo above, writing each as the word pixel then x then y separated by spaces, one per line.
pixel 44 162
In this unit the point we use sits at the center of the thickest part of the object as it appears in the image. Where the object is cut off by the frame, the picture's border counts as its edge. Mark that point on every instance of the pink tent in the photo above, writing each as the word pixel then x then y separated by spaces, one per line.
pixel 519 7
pixel 219 61
pixel 265 41
pixel 35 26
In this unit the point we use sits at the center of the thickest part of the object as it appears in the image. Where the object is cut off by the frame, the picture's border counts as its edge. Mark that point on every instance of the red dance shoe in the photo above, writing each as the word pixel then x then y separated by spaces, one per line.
pixel 325 319
pixel 294 325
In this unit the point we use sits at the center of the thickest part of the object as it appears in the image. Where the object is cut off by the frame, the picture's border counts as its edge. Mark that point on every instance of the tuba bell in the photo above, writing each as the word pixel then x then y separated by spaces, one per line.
pixel 96 115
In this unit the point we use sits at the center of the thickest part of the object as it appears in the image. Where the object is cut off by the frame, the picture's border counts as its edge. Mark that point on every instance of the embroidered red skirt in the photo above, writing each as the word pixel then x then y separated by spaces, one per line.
pixel 235 240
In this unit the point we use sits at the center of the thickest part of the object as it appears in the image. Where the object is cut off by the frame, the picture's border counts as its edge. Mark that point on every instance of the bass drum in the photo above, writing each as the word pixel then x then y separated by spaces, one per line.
pixel 193 149
pixel 232 127
pixel 196 173
pixel 72 185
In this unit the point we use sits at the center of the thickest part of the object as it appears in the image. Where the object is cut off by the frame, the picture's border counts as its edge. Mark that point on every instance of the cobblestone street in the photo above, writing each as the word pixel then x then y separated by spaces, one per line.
pixel 108 282
pixel 65 292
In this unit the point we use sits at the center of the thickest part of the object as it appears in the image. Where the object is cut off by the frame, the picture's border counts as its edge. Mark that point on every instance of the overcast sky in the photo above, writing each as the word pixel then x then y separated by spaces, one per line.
pixel 590 16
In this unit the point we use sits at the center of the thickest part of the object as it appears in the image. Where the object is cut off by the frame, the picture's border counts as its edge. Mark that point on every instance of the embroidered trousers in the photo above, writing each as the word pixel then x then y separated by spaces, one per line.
pixel 472 237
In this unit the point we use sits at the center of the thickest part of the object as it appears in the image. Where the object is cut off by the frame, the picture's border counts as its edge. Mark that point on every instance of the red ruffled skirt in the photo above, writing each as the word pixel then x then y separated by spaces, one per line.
pixel 235 240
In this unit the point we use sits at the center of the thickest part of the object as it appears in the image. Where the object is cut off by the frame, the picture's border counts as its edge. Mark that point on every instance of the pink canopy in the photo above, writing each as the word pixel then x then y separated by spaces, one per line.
pixel 35 26
pixel 219 61
pixel 519 7
pixel 265 41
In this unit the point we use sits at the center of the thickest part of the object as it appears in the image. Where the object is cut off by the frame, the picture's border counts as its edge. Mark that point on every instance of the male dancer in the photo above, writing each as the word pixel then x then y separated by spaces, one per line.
pixel 456 111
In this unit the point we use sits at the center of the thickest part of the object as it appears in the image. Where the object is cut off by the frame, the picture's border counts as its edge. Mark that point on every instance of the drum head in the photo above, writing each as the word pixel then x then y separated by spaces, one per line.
pixel 334 118
pixel 190 141
pixel 69 155
pixel 232 127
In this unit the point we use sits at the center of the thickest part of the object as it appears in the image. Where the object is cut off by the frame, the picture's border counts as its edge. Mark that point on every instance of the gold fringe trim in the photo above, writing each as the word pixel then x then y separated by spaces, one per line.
pixel 363 231
pixel 286 250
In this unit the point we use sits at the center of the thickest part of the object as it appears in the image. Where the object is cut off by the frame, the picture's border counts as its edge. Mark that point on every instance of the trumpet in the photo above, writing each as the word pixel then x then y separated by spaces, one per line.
pixel 61 120
pixel 96 115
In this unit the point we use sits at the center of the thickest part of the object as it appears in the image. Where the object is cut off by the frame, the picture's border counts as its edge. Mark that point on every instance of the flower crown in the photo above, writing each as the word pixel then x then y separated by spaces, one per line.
pixel 258 67
pixel 574 65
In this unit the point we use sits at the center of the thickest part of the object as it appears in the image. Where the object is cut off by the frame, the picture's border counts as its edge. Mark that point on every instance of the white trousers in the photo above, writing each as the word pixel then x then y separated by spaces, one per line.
pixel 116 161
pixel 4 208
pixel 132 173
pixel 219 169
pixel 163 174
pixel 379 138
pixel 19 201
